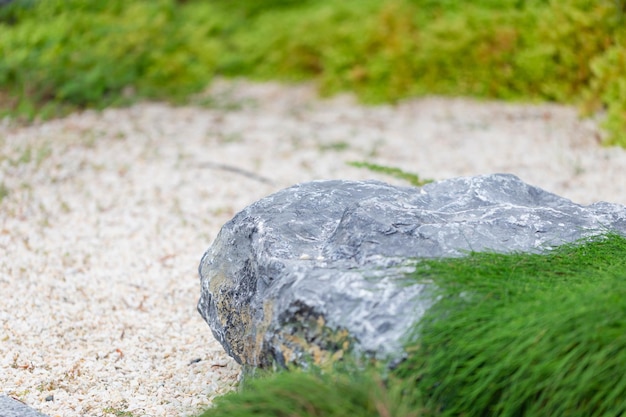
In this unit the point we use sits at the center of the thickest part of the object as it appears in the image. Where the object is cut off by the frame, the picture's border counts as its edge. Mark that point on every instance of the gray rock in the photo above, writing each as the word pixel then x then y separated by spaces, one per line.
pixel 318 269
pixel 14 408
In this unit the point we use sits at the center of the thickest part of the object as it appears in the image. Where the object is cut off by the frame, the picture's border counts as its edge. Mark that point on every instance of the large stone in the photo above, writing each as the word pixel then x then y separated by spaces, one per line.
pixel 319 269
pixel 10 407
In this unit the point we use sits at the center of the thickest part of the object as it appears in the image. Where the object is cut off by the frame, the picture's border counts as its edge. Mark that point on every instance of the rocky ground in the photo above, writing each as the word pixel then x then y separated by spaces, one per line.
pixel 104 218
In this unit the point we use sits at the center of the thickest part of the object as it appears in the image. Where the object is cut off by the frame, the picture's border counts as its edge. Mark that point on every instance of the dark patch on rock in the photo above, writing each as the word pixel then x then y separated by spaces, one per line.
pixel 318 269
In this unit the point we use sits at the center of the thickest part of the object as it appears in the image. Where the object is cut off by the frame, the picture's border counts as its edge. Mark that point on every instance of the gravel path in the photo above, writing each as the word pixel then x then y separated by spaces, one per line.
pixel 104 218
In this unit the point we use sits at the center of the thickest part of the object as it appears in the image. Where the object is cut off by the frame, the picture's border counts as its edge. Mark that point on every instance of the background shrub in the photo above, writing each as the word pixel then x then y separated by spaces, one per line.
pixel 84 53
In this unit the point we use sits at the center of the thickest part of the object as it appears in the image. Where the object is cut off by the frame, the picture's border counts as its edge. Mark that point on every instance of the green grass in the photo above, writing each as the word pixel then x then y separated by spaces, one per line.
pixel 411 178
pixel 4 191
pixel 59 55
pixel 117 412
pixel 527 334
pixel 297 393
pixel 511 335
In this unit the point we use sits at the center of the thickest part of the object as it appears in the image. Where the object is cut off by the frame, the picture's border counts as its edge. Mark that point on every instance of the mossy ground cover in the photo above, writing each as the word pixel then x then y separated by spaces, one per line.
pixel 57 55
pixel 511 335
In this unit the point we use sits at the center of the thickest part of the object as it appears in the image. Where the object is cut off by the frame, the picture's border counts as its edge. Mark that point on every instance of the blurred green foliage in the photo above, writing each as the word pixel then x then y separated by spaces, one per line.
pixel 60 54
pixel 87 53
pixel 311 394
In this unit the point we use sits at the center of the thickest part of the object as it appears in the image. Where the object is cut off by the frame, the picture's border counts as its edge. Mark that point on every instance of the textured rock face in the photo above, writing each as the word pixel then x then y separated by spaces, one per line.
pixel 318 269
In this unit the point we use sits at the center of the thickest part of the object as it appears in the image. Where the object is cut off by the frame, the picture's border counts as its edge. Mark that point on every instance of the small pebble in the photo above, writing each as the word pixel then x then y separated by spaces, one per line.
pixel 50 398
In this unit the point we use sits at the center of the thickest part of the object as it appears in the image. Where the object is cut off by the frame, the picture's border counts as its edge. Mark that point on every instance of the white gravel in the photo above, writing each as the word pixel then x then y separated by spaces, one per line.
pixel 106 216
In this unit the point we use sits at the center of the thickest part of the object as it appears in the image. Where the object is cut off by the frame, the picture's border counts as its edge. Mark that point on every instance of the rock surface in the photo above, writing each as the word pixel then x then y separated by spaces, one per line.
pixel 318 269
pixel 10 407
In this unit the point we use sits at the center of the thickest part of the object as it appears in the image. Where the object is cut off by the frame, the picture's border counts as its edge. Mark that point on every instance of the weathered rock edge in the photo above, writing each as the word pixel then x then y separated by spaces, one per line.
pixel 10 407
pixel 318 269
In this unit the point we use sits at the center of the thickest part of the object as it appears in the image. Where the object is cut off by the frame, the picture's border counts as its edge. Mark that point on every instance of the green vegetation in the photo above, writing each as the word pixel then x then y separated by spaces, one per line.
pixel 306 394
pixel 56 55
pixel 4 191
pixel 117 412
pixel 412 178
pixel 510 335
pixel 527 334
